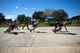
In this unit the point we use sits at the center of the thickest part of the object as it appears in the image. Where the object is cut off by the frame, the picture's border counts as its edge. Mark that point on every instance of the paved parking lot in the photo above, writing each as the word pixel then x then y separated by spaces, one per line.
pixel 45 41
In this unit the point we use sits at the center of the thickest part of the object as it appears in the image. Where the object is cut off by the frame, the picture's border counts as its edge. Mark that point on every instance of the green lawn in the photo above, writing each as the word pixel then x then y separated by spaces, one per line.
pixel 4 25
pixel 44 24
pixel 73 23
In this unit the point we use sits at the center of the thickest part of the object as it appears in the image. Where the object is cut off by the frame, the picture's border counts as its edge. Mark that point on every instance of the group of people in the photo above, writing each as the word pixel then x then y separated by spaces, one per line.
pixel 35 22
pixel 13 25
pixel 59 25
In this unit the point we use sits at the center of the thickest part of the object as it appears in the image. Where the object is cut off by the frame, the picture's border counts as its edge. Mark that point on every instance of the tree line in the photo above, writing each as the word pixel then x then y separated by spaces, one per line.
pixel 58 16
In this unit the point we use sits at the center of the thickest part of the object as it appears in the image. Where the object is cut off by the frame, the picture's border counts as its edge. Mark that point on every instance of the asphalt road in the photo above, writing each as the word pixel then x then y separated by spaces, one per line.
pixel 45 41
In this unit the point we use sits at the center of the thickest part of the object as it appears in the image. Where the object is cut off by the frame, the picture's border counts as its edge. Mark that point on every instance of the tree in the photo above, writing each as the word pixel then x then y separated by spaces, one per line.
pixel 48 11
pixel 76 19
pixel 21 18
pixel 28 19
pixel 39 15
pixel 2 18
pixel 8 20
pixel 59 15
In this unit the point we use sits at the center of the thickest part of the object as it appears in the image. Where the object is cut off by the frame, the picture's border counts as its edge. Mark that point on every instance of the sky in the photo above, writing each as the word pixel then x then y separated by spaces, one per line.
pixel 12 8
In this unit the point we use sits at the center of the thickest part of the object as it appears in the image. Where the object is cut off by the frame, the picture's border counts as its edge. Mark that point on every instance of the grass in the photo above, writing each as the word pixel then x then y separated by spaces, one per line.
pixel 4 25
pixel 44 24
pixel 73 23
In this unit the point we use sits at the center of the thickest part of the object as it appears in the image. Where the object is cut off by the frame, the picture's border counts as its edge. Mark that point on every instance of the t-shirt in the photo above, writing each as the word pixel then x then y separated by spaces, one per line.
pixel 35 23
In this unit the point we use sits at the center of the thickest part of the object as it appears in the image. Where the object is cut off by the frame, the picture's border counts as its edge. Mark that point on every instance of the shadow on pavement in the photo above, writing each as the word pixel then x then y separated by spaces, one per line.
pixel 15 33
pixel 41 32
pixel 78 43
pixel 67 33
